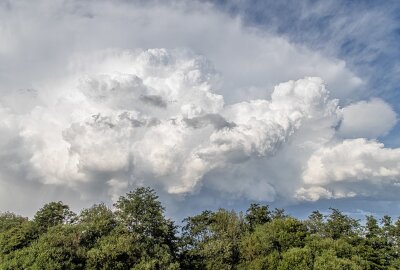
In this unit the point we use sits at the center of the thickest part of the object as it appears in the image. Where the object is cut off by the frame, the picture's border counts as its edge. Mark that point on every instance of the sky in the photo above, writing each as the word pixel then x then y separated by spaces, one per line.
pixel 213 104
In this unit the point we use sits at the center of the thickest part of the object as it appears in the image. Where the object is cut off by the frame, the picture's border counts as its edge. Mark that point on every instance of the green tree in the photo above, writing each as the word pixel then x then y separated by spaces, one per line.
pixel 375 248
pixel 58 248
pixel 95 222
pixel 329 261
pixel 257 215
pixel 52 214
pixel 316 223
pixel 142 215
pixel 9 220
pixel 275 237
pixel 278 213
pixel 118 250
pixel 372 227
pixel 211 240
pixel 195 232
pixel 339 225
pixel 18 237
pixel 137 236
pixel 296 259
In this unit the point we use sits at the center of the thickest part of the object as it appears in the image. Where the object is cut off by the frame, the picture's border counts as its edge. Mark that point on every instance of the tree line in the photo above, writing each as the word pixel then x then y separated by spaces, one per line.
pixel 135 234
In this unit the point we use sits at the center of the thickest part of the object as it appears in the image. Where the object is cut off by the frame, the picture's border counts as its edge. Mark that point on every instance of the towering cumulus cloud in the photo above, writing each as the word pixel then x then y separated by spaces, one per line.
pixel 132 118
pixel 153 116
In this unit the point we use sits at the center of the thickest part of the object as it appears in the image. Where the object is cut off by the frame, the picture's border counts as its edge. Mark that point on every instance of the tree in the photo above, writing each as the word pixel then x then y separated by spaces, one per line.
pixel 137 236
pixel 296 259
pixel 141 212
pixel 375 248
pixel 142 215
pixel 329 261
pixel 257 215
pixel 58 248
pixel 95 222
pixel 388 230
pixel 315 223
pixel 18 237
pixel 211 240
pixel 271 239
pixel 372 227
pixel 195 232
pixel 118 250
pixel 339 225
pixel 52 214
pixel 278 213
pixel 10 220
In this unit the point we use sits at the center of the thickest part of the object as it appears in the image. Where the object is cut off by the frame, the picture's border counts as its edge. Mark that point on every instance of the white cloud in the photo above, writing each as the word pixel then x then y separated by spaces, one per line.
pixel 367 119
pixel 156 118
pixel 251 62
pixel 349 168
pixel 103 116
pixel 315 193
pixel 353 160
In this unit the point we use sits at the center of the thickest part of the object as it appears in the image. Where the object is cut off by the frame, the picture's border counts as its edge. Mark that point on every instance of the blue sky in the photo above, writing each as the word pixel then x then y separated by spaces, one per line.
pixel 212 103
pixel 365 34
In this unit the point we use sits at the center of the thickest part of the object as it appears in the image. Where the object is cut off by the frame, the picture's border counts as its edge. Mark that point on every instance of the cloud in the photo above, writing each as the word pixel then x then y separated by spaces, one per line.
pixel 367 119
pixel 364 34
pixel 114 132
pixel 339 169
pixel 201 113
pixel 80 27
pixel 353 160
pixel 315 193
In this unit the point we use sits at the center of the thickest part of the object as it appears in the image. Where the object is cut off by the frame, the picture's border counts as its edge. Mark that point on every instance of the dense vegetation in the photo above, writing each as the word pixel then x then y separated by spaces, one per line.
pixel 136 235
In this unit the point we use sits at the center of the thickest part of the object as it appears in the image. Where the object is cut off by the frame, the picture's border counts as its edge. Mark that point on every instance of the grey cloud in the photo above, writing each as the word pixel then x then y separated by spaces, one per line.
pixel 216 120
pixel 154 100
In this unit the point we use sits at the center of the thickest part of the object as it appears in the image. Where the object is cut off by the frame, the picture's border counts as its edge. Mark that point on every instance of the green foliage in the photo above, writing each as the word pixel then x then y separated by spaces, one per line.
pixel 278 235
pixel 257 215
pixel 95 222
pixel 137 236
pixel 58 248
pixel 296 259
pixel 118 250
pixel 329 261
pixel 52 214
pixel 211 240
pixel 315 223
pixel 18 237
pixel 141 212
pixel 10 220
pixel 339 225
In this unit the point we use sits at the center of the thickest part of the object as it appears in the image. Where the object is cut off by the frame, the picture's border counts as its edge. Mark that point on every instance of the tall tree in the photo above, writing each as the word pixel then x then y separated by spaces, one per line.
pixel 52 214
pixel 142 215
pixel 257 215
pixel 339 225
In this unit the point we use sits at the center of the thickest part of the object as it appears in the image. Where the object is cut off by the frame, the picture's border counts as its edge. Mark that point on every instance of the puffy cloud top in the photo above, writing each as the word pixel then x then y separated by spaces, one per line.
pixel 159 119
pixel 153 117
pixel 96 121
pixel 368 119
